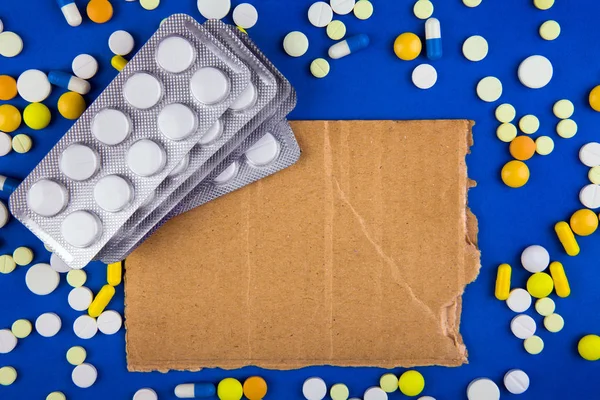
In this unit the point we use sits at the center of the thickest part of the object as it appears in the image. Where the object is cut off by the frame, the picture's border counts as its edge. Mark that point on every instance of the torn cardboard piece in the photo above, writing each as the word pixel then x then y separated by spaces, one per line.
pixel 357 256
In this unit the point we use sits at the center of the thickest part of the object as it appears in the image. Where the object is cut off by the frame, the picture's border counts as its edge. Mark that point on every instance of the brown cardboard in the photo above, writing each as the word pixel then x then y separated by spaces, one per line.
pixel 356 255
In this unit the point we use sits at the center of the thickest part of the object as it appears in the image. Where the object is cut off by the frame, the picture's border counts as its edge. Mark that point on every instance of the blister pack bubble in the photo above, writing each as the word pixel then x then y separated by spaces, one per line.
pixel 127 142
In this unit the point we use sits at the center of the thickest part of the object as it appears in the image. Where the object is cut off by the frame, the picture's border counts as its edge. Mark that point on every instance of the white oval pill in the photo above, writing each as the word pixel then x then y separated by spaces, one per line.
pixel 5 144
pixel 475 48
pixel 146 157
pixel 214 9
pixel 109 322
pixel 483 389
pixel 535 72
pixel 177 121
pixel 33 86
pixel 342 7
pixel 11 44
pixel 516 381
pixel 247 99
pixel 181 167
pixel 47 198
pixel 81 229
pixel 113 193
pixel 589 196
pixel 4 214
pixel 245 15
pixel 84 66
pixel 210 85
pixel 295 44
pixel 80 298
pixel 523 326
pixel 424 76
pixel 175 54
pixel 589 154
pixel 535 258
pixel 264 151
pixel 57 264
pixel 489 89
pixel 228 174
pixel 85 327
pixel 213 133
pixel 519 300
pixel 314 389
pixel 8 341
pixel 84 375
pixel 111 127
pixel 48 324
pixel 375 393
pixel 41 279
pixel 320 14
pixel 145 394
pixel 121 43
pixel 79 162
pixel 142 90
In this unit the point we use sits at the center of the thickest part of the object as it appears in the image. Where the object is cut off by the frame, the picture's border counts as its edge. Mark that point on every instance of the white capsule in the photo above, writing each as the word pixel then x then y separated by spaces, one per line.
pixel 70 11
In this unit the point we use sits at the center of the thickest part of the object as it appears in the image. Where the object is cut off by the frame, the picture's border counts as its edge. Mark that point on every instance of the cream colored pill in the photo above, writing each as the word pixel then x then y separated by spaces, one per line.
pixel 8 375
pixel 423 9
pixel 295 44
pixel 7 264
pixel 554 323
pixel 544 145
pixel 476 48
pixel 23 256
pixel 505 113
pixel 76 355
pixel 21 328
pixel 506 132
pixel 471 3
pixel 533 345
pixel 567 128
pixel 550 30
pixel 21 143
pixel 336 30
pixel 489 89
pixel 529 124
pixel 319 68
pixel 594 175
pixel 76 277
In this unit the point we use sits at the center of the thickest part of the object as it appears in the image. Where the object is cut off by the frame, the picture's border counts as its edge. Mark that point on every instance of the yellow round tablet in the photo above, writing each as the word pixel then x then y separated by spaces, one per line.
pixel 336 30
pixel 584 222
pixel 76 355
pixel 506 132
pixel 36 116
pixel 407 46
pixel 8 87
pixel 533 344
pixel 149 4
pixel 545 306
pixel 505 113
pixel 544 145
pixel 76 277
pixel 21 143
pixel 515 174
pixel 543 4
pixel 21 328
pixel 471 3
pixel 71 105
pixel 363 9
pixel 540 285
pixel 563 109
pixel 529 124
pixel 56 396
pixel 567 128
pixel 230 389
pixel 550 30
pixel 423 9
pixel 594 175
pixel 411 383
pixel 594 99
pixel 339 391
pixel 589 347
pixel 23 256
pixel 8 375
pixel 554 323
pixel 489 89
pixel 389 383
pixel 10 118
pixel 7 264
pixel 319 68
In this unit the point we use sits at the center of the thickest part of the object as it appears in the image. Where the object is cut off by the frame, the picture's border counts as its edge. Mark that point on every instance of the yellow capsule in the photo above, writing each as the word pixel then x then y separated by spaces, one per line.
pixel 561 283
pixel 101 300
pixel 118 63
pixel 114 273
pixel 503 282
pixel 566 237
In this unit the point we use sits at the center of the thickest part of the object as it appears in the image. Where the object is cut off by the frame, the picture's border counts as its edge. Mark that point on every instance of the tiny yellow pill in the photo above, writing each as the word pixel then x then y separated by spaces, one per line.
pixel 584 222
pixel 118 63
pixel 566 237
pixel 540 285
pixel 589 347
pixel 503 282
pixel 561 283
pixel 36 116
pixel 101 301
pixel 21 143
pixel 114 273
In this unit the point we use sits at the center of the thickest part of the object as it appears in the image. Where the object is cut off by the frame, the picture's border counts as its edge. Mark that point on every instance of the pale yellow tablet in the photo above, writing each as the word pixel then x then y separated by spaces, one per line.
pixel 336 30
pixel 544 145
pixel 76 277
pixel 471 3
pixel 529 124
pixel 76 355
pixel 554 323
pixel 545 306
pixel 7 376
pixel 506 132
pixel 567 128
pixel 563 109
pixel 505 113
pixel 543 4
pixel 363 9
pixel 550 30
pixel 21 328
pixel 423 9
pixel 533 344
pixel 594 175
pixel 489 89
pixel 23 256
pixel 7 264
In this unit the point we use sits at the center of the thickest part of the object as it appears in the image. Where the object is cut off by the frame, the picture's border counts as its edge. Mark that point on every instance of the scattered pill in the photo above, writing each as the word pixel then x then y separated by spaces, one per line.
pixel 489 89
pixel 533 345
pixel 69 82
pixel 70 12
pixel 195 390
pixel 529 124
pixel 245 15
pixel 342 7
pixel 483 389
pixel 584 222
pixel 121 43
pixel 544 145
pixel 145 394
pixel 57 264
pixel 411 383
pixel 76 277
pixel 99 11
pixel 84 375
pixel 48 324
pixel 21 328
pixel 423 9
pixel 475 48
pixel 314 389
pixel 566 237
pixel 320 14
pixel 561 283
pixel 230 389
pixel 535 72
pixel 523 326
pixel 424 76
pixel 515 174
pixel 149 4
pixel 535 258
pixel 118 63
pixel 85 327
pixel 21 143
pixel 375 393
pixel 4 215
pixel 8 341
pixel 56 396
pixel 594 98
pixel 550 30
pixel 295 44
pixel 5 144
pixel 36 116
pixel 407 46
pixel 503 282
pixel 80 298
pixel 563 109
pixel 8 87
pixel 522 148
pixel 554 323
pixel 505 113
pixel 109 322
pixel 33 86
pixel 336 30
pixel 593 175
pixel 589 154
pixel 543 4
pixel 319 68
pixel 214 9
pixel 11 44
pixel 519 300
pixel 10 118
pixel 84 66
pixel 7 264
pixel 506 132
pixel 589 347
pixel 433 39
pixel 545 306
pixel 255 388
pixel 589 196
pixel 540 285
pixel 349 46
pixel 114 273
pixel 8 375
pixel 339 391
pixel 41 279
pixel 71 105
pixel 76 355
pixel 101 300
pixel 23 256
pixel 471 3
pixel 516 381
pixel 363 9
pixel 389 383
pixel 567 128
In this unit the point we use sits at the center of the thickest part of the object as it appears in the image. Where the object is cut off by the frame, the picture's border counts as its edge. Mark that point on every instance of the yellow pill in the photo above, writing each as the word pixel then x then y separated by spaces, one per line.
pixel 389 383
pixel 76 277
pixel 423 9
pixel 594 175
pixel 563 109
pixel 21 328
pixel 71 105
pixel 584 222
pixel 56 396
pixel 411 383
pixel 76 355
pixel 561 283
pixel 550 30
pixel 533 345
pixel 566 237
pixel 544 145
pixel 529 124
pixel 118 63
pixel 336 30
pixel 543 4
pixel 10 118
pixel 8 375
pixel 363 9
pixel 589 347
pixel 503 282
pixel 23 256
pixel 545 306
pixel 540 285
pixel 114 273
pixel 101 301
pixel 21 143
pixel 339 391
pixel 7 264
pixel 554 323
pixel 505 113
pixel 594 99
pixel 506 132
pixel 567 128
pixel 319 68
pixel 37 116
pixel 515 174
pixel 407 46
pixel 230 389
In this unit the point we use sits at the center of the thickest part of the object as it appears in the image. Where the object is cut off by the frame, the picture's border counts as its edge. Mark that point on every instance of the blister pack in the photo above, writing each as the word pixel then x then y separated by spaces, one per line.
pixel 128 141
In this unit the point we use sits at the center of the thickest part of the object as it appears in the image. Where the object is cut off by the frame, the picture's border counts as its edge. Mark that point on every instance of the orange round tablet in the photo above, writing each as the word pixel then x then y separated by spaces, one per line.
pixel 584 222
pixel 99 11
pixel 522 148
pixel 594 98
pixel 8 87
pixel 515 174
pixel 255 388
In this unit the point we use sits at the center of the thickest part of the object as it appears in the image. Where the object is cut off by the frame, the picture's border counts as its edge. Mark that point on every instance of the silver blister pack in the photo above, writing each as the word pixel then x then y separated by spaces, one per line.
pixel 127 142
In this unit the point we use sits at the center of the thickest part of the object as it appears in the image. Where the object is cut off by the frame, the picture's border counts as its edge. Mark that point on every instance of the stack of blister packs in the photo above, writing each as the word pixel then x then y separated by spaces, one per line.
pixel 197 113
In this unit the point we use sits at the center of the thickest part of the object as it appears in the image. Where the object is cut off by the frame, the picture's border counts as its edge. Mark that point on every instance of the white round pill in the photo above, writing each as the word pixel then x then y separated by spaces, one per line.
pixel 4 214
pixel 246 99
pixel 175 54
pixel 314 389
pixel 535 258
pixel 295 44
pixel 41 279
pixel 146 157
pixel 48 324
pixel 47 198
pixel 80 298
pixel 121 43
pixel 589 154
pixel 523 326
pixel 111 127
pixel 483 389
pixel 489 89
pixel 5 144
pixel 85 327
pixel 424 76
pixel 320 14
pixel 342 7
pixel 228 174
pixel 516 381
pixel 426 398
pixel 213 133
pixel 210 85
pixel 84 375
pixel 145 394
pixel 113 193
pixel 181 167
pixel 11 44
pixel 589 196
pixel 264 151
pixel 535 72
pixel 8 341
pixel 245 15
pixel 519 300
pixel 84 66
pixel 177 121
pixel 375 393
pixel 148 200
pixel 81 229
pixel 79 162
pixel 214 9
pixel 57 264
pixel 475 48
pixel 142 90
pixel 33 86
pixel 109 322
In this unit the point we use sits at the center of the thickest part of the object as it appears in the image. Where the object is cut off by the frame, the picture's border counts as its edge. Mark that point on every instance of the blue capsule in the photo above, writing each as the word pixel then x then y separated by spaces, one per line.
pixel 348 46
pixel 433 39
pixel 195 390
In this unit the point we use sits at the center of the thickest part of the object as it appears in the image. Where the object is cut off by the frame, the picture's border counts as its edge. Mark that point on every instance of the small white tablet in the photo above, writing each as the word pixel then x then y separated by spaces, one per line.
pixel 210 85
pixel 181 167
pixel 589 196
pixel 589 154
pixel 483 389
pixel 121 43
pixel 33 86
pixel 516 381
pixel 523 326
pixel 142 90
pixel 41 279
pixel 228 174
pixel 5 144
pixel 80 298
pixel 314 389
pixel 342 7
pixel 81 229
pixel 519 300
pixel 145 394
pixel 113 193
pixel 214 9
pixel 111 126
pixel 4 214
pixel 295 44
pixel 320 14
pixel 11 44
pixel 245 15
pixel 85 327
pixel 84 375
pixel 213 133
pixel 79 162
pixel 109 322
pixel 424 76
pixel 8 341
pixel 146 157
pixel 175 54
pixel 535 72
pixel 84 66
pixel 48 324
pixel 57 264
pixel 375 393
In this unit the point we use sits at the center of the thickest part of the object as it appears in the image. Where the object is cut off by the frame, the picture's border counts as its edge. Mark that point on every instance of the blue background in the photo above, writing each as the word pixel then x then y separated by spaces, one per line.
pixel 373 84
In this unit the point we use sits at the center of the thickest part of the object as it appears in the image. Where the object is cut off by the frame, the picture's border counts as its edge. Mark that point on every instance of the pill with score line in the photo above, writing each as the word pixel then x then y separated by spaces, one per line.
pixel 433 39
pixel 70 12
pixel 195 390
pixel 349 46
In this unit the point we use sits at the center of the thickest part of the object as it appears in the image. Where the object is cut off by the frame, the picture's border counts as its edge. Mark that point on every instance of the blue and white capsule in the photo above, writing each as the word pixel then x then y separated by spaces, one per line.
pixel 195 390
pixel 8 185
pixel 70 11
pixel 69 82
pixel 349 46
pixel 433 39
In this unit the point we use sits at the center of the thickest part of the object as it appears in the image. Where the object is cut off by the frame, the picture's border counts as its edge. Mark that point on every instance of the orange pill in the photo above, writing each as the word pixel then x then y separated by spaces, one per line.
pixel 515 174
pixel 8 87
pixel 99 11
pixel 255 388
pixel 522 148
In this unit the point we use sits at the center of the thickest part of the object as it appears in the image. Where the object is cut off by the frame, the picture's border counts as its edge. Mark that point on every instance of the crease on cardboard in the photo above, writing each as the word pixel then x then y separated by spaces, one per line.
pixel 328 228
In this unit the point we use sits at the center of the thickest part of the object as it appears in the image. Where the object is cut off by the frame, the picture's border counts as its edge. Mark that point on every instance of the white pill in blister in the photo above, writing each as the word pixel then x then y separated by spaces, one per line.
pixel 47 198
pixel 210 85
pixel 246 99
pixel 41 279
pixel 214 9
pixel 424 76
pixel 245 15
pixel 320 14
pixel 84 375
pixel 111 126
pixel 523 326
pixel 175 54
pixel 589 196
pixel 148 200
pixel 213 133
pixel 314 389
pixel 33 86
pixel 519 300
pixel 145 394
pixel 182 166
pixel 5 144
pixel 483 389
pixel 81 229
pixel 4 214
pixel 85 327
pixel 535 258
pixel 57 264
pixel 142 90
pixel 535 72
pixel 79 162
pixel 8 341
pixel 516 381
pixel 113 193
pixel 177 121
pixel 48 324
pixel 146 158
pixel 264 151
pixel 228 174
pixel 589 154
pixel 80 298
pixel 342 7
pixel 121 43
pixel 84 66
pixel 375 393
pixel 109 322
